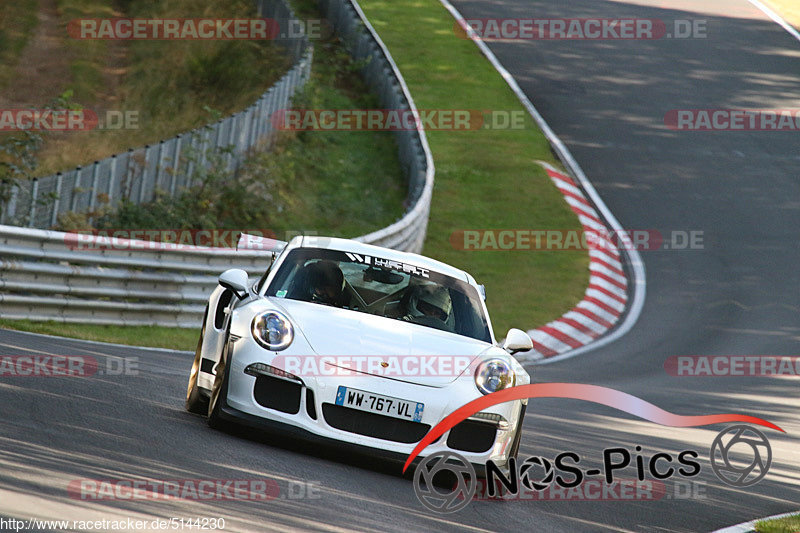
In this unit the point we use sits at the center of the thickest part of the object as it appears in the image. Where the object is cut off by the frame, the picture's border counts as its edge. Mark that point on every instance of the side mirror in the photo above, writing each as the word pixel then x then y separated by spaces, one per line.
pixel 517 341
pixel 236 280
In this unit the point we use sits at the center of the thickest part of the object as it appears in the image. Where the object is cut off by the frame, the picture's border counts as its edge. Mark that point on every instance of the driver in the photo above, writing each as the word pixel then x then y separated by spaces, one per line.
pixel 325 283
pixel 430 301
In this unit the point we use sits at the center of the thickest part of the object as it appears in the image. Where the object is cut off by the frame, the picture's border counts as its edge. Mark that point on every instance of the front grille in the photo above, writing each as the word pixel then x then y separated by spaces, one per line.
pixel 373 425
pixel 472 436
pixel 278 394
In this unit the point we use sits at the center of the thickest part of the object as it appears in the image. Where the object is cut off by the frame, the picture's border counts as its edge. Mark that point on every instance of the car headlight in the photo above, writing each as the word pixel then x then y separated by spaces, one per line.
pixel 494 375
pixel 273 331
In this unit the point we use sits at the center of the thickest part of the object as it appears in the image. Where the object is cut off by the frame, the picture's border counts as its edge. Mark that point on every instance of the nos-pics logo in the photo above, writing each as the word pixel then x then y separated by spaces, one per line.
pixel 446 482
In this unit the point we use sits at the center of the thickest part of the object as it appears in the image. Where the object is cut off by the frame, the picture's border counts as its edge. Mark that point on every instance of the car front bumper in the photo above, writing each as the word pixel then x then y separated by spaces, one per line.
pixel 307 409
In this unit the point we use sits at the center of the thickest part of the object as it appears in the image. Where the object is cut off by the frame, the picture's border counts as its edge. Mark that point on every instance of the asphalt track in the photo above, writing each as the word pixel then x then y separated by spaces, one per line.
pixel 738 296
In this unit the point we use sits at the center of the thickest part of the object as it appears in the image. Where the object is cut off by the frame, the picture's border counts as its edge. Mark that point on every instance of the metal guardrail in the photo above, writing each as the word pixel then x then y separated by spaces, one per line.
pixel 384 78
pixel 44 277
pixel 138 173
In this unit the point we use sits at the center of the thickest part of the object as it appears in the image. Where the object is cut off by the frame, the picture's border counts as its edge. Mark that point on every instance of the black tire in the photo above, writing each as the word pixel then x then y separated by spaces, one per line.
pixel 501 491
pixel 196 402
pixel 219 392
pixel 514 451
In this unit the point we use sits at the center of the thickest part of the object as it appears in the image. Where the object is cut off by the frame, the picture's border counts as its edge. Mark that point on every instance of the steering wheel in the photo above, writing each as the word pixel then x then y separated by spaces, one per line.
pixel 429 321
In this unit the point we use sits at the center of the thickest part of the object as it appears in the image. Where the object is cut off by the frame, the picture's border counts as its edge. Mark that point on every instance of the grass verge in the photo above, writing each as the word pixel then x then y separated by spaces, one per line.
pixel 337 183
pixel 154 336
pixel 485 179
pixel 787 524
pixel 17 21
pixel 165 84
pixel 340 183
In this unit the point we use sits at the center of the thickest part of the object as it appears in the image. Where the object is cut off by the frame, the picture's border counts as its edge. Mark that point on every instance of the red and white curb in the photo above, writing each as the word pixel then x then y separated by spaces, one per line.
pixel 605 298
pixel 585 327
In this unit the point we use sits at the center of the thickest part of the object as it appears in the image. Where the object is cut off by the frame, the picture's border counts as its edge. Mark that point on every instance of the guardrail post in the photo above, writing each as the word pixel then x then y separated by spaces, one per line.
pixel 206 140
pixel 57 202
pixel 234 121
pixel 284 90
pixel 248 128
pixel 112 177
pixel 242 133
pixel 176 155
pixel 192 156
pixel 34 197
pixel 76 188
pixel 93 197
pixel 281 103
pixel 256 120
pixel 218 138
pixel 127 190
pixel 265 116
pixel 259 126
pixel 251 140
pixel 143 181
pixel 159 165
pixel 11 208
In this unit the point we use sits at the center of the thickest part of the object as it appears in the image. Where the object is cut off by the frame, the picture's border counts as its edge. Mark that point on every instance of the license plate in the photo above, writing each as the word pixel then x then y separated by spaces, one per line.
pixel 377 403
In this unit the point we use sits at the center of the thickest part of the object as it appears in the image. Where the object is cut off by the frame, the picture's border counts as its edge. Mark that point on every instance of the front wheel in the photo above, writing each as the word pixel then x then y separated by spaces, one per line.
pixel 514 450
pixel 219 391
pixel 196 402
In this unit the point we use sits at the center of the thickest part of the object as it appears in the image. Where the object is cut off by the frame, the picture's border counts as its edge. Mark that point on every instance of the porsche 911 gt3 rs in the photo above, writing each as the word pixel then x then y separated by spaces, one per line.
pixel 358 345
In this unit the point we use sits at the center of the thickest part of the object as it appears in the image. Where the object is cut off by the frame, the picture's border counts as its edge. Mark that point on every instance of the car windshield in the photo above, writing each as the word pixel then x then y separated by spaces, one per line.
pixel 381 287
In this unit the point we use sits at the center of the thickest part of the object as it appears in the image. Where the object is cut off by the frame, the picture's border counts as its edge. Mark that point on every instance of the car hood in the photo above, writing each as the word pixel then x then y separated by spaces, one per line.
pixel 358 341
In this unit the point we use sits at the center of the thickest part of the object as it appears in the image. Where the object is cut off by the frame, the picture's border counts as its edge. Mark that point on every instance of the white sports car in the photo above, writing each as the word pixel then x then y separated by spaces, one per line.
pixel 360 345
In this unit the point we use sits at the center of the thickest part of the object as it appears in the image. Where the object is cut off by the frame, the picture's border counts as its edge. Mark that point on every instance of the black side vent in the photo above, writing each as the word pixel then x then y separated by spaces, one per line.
pixel 278 394
pixel 311 407
pixel 472 436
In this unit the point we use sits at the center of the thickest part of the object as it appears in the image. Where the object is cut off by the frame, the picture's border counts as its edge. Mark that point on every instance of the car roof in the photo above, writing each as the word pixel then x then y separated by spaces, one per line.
pixel 348 245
